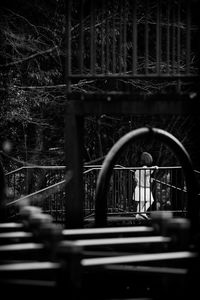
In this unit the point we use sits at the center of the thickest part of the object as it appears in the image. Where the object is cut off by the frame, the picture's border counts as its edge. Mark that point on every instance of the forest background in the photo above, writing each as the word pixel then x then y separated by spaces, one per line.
pixel 33 97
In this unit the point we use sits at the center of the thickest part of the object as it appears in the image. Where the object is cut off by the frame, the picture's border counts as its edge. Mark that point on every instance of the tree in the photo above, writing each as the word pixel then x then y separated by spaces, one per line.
pixel 32 83
pixel 31 64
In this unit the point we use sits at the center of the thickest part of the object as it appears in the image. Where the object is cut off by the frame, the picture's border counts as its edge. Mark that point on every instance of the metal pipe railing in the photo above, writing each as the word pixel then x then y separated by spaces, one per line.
pixel 169 190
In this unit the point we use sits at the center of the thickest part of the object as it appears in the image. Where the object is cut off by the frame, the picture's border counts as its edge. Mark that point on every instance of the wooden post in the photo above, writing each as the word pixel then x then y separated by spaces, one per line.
pixel 74 166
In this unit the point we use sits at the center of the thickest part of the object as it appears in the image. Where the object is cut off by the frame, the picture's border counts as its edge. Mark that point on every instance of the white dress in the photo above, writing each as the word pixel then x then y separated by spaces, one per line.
pixel 142 193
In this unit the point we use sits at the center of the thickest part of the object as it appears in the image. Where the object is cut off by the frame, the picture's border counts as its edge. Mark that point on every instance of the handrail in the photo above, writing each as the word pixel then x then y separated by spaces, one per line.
pixel 46 190
pixel 169 185
pixel 55 185
pixel 54 188
pixel 116 167
pixel 35 167
pixel 87 166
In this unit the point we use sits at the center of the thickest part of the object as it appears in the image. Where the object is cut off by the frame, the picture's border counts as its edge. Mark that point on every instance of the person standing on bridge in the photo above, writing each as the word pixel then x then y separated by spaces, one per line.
pixel 142 193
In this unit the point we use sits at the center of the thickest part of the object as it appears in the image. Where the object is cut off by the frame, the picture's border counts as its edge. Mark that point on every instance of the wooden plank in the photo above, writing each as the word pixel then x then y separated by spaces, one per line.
pixel 86 232
pixel 118 241
pixel 138 258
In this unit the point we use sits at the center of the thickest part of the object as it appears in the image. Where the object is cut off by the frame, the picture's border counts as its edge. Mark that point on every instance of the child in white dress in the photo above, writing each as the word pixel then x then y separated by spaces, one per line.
pixel 142 193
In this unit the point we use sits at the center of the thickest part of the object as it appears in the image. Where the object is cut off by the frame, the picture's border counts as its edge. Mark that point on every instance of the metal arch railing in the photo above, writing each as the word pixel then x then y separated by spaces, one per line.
pixel 117 149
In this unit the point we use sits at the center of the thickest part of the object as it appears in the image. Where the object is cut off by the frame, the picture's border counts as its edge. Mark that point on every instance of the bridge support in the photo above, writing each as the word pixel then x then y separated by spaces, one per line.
pixel 74 164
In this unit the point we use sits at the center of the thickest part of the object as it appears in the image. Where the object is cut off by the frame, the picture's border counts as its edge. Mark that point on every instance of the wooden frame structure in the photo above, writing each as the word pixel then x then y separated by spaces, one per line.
pixel 113 49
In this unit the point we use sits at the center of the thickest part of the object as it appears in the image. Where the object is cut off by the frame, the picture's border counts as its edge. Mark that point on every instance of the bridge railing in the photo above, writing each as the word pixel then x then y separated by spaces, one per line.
pixel 115 41
pixel 29 179
pixel 167 186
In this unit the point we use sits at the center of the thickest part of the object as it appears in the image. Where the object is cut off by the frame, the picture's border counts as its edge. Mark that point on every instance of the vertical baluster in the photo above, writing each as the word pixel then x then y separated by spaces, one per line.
pixel 151 193
pixel 14 185
pixel 170 191
pixel 92 38
pixel 90 192
pixel 188 38
pixel 134 39
pixel 102 37
pixel 168 37
pixel 125 35
pixel 145 199
pixel 173 39
pixel 113 40
pixel 116 186
pixel 146 37
pixel 178 37
pixel 120 36
pixel 81 41
pixel 107 39
pixel 139 190
pixel 68 44
pixel 158 38
pixel 178 44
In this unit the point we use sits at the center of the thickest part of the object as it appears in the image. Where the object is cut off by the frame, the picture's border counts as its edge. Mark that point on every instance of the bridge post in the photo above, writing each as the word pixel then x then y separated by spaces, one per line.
pixel 74 165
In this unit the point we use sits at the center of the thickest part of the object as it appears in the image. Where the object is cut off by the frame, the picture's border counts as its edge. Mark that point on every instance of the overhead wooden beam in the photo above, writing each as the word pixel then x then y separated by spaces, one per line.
pixel 134 104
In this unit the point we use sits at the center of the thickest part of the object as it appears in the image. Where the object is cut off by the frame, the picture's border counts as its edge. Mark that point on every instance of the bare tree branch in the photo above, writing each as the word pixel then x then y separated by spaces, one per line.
pixel 30 57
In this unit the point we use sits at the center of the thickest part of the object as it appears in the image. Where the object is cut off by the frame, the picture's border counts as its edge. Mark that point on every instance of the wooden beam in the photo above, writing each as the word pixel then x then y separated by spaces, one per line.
pixel 74 187
pixel 135 104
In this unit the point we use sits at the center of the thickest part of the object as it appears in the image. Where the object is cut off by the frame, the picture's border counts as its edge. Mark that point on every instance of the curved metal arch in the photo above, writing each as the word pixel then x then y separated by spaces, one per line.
pixel 112 156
